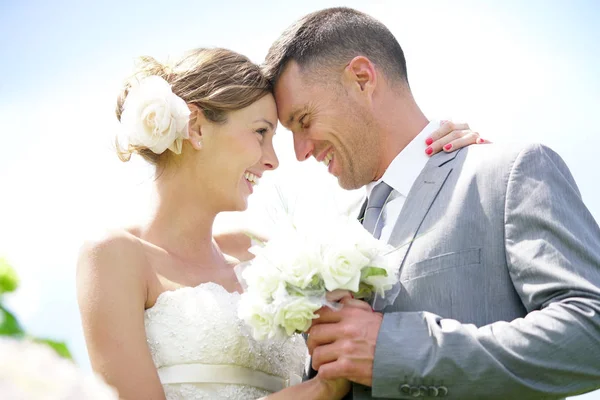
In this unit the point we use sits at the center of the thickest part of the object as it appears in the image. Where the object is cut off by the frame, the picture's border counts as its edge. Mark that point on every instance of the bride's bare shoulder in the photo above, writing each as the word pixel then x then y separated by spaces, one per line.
pixel 117 242
pixel 115 256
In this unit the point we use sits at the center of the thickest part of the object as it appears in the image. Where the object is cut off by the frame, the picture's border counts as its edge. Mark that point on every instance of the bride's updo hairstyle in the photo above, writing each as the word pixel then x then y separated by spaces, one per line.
pixel 216 80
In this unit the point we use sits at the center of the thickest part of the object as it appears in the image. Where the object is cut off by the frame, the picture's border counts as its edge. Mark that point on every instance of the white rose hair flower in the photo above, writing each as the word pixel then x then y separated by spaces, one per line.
pixel 154 117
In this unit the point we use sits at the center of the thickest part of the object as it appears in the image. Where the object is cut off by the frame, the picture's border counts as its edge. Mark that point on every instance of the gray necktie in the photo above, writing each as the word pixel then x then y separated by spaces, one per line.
pixel 372 220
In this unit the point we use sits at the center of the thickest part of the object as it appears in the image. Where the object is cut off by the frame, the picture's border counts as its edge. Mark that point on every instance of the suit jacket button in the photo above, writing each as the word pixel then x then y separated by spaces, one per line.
pixel 414 391
pixel 432 391
pixel 443 391
pixel 405 389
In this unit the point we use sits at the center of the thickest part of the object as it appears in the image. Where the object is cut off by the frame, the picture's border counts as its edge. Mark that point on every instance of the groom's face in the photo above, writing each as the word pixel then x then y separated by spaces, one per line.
pixel 328 125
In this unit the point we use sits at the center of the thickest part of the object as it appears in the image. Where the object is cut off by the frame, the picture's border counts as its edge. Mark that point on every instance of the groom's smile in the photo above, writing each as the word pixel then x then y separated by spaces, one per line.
pixel 326 157
pixel 327 124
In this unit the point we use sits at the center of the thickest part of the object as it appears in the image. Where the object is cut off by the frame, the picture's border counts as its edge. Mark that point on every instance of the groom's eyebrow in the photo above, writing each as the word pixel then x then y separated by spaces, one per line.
pixel 290 120
pixel 292 116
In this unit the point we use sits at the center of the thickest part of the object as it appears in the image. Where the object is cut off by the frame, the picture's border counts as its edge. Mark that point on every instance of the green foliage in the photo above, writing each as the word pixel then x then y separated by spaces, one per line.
pixel 372 271
pixel 9 281
pixel 60 347
pixel 9 324
pixel 364 291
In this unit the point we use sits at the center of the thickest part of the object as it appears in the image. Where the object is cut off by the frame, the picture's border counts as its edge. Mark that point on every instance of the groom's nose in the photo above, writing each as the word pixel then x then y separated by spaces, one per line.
pixel 303 147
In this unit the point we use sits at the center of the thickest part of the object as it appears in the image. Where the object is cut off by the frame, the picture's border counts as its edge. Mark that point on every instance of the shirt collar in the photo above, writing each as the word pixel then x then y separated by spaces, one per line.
pixel 408 164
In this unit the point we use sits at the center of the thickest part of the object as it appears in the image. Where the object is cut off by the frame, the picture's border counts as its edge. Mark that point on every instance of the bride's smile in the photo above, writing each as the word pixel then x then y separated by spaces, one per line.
pixel 235 153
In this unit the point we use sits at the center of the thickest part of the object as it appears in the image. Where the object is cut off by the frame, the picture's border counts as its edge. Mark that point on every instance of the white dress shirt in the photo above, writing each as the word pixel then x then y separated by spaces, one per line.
pixel 401 175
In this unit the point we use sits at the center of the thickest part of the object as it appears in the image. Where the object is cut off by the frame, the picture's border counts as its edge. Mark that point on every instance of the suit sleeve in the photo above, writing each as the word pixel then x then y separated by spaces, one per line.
pixel 552 247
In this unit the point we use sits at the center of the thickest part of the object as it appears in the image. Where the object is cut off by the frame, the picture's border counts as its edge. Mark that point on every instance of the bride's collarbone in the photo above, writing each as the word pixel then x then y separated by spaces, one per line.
pixel 171 279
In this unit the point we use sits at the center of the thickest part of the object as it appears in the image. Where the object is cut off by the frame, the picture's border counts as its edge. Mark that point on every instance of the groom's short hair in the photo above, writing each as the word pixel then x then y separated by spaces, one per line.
pixel 333 37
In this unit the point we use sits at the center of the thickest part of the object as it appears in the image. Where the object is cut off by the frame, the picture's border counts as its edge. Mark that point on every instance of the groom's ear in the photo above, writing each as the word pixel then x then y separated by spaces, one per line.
pixel 361 74
pixel 197 119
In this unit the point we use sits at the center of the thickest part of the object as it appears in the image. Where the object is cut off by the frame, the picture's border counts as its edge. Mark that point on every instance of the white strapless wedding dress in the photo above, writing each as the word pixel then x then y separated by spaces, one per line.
pixel 202 350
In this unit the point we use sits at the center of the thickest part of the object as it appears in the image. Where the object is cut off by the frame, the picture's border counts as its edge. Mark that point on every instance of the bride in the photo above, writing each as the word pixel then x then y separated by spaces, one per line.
pixel 159 301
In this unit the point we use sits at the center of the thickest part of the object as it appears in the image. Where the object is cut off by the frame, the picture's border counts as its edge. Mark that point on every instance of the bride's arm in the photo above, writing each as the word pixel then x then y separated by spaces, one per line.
pixel 314 389
pixel 111 291
pixel 237 243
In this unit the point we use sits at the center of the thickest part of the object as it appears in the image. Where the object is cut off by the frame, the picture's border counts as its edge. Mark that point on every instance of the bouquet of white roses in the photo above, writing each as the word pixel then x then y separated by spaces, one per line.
pixel 288 279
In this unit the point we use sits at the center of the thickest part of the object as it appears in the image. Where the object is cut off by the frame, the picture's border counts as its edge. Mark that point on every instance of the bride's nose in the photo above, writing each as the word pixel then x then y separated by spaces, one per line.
pixel 269 158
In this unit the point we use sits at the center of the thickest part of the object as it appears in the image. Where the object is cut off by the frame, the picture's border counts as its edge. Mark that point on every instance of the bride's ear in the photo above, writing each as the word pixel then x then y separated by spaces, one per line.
pixel 195 123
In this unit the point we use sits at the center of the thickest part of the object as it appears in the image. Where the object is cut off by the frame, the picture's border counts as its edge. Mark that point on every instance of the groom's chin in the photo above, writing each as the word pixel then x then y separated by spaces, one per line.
pixel 348 183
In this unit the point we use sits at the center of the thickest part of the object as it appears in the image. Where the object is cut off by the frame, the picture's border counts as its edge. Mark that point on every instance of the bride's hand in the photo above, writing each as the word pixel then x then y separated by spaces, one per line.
pixel 338 295
pixel 333 389
pixel 345 298
pixel 451 136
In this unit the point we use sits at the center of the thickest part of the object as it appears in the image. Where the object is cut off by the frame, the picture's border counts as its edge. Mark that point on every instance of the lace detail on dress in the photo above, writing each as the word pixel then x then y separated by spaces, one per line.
pixel 200 325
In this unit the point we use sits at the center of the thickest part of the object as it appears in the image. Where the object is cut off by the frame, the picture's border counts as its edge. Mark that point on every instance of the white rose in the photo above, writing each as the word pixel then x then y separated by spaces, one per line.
pixel 379 253
pixel 348 230
pixel 258 314
pixel 154 117
pixel 300 272
pixel 352 231
pixel 294 256
pixel 302 263
pixel 262 278
pixel 342 267
pixel 295 314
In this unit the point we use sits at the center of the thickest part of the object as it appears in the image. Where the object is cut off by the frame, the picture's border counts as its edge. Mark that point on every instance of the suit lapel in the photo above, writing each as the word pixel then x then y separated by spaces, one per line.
pixel 418 202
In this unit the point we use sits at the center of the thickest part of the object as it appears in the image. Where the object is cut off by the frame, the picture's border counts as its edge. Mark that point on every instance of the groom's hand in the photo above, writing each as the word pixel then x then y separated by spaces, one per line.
pixel 342 343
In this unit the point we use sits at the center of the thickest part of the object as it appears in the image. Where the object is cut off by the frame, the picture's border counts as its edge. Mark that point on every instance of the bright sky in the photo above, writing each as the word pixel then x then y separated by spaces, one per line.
pixel 515 70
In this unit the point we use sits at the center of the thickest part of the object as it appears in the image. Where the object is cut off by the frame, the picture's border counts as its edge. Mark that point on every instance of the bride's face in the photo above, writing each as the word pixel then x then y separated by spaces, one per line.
pixel 239 152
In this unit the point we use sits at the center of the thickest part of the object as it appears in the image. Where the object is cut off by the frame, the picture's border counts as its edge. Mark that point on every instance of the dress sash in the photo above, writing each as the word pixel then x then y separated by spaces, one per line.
pixel 224 374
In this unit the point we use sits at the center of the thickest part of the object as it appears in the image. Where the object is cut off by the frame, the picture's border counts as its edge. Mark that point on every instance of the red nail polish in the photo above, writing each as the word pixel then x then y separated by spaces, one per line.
pixel 429 141
pixel 448 146
pixel 428 151
pixel 480 140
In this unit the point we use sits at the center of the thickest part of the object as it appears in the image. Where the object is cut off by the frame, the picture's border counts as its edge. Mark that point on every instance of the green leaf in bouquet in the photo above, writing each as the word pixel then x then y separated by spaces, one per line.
pixel 372 271
pixel 316 283
pixel 364 291
pixel 60 347
pixel 307 292
pixel 9 325
pixel 293 290
pixel 9 281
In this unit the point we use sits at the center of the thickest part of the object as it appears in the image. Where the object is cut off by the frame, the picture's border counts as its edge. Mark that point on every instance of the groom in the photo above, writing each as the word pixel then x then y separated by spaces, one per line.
pixel 500 274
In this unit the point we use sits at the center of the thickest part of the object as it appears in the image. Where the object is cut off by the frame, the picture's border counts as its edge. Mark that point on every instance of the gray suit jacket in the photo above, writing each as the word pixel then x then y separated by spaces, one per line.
pixel 500 282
